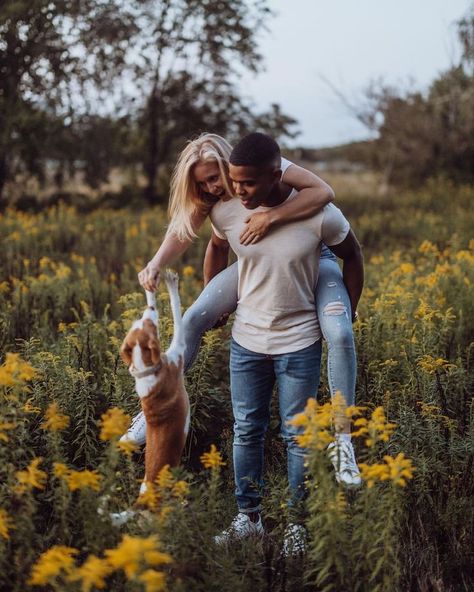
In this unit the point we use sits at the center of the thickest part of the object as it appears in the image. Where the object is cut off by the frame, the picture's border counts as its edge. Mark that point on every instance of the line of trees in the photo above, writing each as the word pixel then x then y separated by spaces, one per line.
pixel 93 84
pixel 422 135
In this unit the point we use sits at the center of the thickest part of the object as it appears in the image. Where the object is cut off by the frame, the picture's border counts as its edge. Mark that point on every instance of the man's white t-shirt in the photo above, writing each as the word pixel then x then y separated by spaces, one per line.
pixel 276 311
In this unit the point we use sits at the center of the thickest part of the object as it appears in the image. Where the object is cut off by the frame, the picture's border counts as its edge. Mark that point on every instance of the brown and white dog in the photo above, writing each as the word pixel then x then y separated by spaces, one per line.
pixel 159 383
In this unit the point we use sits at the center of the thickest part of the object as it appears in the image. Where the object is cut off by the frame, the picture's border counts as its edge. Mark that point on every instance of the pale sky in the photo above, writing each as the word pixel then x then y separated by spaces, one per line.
pixel 350 43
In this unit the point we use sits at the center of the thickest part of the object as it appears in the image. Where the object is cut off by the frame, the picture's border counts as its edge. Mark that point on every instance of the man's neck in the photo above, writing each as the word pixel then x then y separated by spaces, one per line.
pixel 277 195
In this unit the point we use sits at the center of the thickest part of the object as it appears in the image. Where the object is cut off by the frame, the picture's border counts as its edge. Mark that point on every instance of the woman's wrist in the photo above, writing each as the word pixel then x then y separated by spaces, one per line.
pixel 273 216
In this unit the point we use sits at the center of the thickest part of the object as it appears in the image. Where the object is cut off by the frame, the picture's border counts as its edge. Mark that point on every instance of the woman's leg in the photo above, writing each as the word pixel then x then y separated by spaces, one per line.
pixel 219 297
pixel 335 318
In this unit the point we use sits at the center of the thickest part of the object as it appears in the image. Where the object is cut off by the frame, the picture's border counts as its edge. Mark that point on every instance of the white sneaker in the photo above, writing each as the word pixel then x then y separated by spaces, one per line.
pixel 241 528
pixel 136 433
pixel 294 539
pixel 341 454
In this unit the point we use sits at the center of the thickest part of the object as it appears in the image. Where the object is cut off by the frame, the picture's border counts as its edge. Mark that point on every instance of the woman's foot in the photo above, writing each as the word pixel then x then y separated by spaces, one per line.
pixel 136 433
pixel 341 454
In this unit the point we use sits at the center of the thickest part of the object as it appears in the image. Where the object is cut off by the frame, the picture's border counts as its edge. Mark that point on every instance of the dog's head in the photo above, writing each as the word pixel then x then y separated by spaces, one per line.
pixel 141 346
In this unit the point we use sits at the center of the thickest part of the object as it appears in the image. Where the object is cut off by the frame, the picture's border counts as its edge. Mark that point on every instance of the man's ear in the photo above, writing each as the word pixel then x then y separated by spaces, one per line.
pixel 154 350
pixel 126 353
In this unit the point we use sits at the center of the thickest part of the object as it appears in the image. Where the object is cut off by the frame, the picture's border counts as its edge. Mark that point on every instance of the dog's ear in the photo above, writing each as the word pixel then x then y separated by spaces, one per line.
pixel 154 350
pixel 126 353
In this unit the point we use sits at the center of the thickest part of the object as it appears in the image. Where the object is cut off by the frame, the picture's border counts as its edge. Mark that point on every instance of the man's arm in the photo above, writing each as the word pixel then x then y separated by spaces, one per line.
pixel 353 267
pixel 313 195
pixel 216 258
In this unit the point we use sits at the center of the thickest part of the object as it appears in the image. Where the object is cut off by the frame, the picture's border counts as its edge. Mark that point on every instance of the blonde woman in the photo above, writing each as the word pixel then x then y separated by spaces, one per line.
pixel 200 180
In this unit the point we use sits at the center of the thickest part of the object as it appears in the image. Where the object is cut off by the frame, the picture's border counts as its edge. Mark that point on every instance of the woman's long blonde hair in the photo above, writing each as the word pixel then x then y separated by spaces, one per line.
pixel 185 194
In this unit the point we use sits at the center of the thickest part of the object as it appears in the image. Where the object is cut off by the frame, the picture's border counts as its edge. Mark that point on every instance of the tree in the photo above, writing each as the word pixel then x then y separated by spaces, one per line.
pixel 94 83
pixel 421 135
pixel 184 54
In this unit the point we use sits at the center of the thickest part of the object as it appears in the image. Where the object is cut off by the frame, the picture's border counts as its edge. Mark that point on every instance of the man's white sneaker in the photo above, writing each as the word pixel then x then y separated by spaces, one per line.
pixel 241 528
pixel 294 540
pixel 136 433
pixel 341 454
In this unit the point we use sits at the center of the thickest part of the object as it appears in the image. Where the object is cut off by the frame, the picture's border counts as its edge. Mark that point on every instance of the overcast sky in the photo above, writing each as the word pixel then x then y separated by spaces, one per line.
pixel 350 43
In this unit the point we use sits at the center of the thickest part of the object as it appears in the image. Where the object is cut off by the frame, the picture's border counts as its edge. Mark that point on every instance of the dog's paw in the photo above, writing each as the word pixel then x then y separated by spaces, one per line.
pixel 171 278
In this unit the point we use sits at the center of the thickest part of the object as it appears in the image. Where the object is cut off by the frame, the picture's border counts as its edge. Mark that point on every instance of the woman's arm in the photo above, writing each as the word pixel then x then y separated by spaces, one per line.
pixel 171 248
pixel 313 195
pixel 216 257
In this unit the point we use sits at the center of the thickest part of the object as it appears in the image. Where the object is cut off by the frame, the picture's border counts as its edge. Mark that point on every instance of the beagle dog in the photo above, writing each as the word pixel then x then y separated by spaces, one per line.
pixel 159 382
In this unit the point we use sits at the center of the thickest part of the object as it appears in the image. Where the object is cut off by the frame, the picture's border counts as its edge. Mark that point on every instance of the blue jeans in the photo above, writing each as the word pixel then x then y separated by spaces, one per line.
pixel 332 307
pixel 252 377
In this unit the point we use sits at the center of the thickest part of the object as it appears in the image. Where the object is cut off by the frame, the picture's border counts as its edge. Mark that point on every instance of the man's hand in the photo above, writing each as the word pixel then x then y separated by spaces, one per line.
pixel 258 226
pixel 222 320
pixel 149 277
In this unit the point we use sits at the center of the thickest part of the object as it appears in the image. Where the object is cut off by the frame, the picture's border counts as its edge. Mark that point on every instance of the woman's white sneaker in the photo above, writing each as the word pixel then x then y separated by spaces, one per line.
pixel 341 454
pixel 136 433
pixel 241 528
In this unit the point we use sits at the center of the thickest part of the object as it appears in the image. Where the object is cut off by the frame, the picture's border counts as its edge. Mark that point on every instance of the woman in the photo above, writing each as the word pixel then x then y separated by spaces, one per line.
pixel 199 180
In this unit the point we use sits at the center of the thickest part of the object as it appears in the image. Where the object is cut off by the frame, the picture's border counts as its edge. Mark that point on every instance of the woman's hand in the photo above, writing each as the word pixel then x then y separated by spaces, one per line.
pixel 257 227
pixel 149 277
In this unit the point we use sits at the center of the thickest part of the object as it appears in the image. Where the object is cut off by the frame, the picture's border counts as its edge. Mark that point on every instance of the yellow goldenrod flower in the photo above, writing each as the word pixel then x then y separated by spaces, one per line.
pixel 428 247
pixel 188 271
pixel 51 563
pixel 155 581
pixel 397 470
pixel 134 552
pixel 92 573
pixel 6 524
pixel 28 407
pixel 60 469
pixel 180 489
pixel 425 312
pixel 127 447
pixel 400 469
pixel 212 459
pixel 114 423
pixel 15 371
pixel 406 268
pixel 165 479
pixel 82 480
pixel 5 426
pixel 55 421
pixel 149 497
pixel 430 365
pixel 373 473
pixel 31 476
pixel 377 260
pixel 377 428
pixel 317 421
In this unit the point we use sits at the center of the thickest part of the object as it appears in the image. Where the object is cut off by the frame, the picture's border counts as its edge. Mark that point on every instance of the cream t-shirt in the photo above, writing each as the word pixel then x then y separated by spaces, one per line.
pixel 276 311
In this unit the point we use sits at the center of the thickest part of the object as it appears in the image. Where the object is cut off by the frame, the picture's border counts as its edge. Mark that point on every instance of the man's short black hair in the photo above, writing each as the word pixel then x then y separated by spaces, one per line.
pixel 256 150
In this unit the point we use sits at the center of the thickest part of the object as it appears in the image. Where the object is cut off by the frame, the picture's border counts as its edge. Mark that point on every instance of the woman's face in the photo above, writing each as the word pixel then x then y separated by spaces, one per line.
pixel 208 178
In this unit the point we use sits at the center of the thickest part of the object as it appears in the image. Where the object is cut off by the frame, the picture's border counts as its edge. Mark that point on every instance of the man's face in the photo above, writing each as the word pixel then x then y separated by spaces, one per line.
pixel 252 185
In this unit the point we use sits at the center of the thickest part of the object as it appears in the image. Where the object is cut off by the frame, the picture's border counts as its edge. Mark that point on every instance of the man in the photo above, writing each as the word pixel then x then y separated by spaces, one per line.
pixel 275 336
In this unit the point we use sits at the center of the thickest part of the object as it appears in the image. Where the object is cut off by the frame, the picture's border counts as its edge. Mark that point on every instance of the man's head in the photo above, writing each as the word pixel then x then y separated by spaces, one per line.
pixel 254 169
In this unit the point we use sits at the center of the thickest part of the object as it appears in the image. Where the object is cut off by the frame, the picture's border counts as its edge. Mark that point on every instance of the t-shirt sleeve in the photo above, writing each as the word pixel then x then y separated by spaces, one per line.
pixel 334 227
pixel 218 232
pixel 284 166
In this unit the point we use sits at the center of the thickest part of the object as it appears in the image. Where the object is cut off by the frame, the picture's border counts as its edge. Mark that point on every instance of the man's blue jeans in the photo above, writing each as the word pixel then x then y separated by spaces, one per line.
pixel 252 377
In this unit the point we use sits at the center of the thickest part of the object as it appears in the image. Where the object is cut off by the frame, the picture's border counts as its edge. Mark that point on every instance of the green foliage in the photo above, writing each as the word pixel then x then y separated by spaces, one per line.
pixel 68 292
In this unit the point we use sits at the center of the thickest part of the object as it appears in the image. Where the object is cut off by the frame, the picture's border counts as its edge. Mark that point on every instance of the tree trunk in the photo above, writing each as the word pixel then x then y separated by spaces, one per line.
pixel 3 173
pixel 152 156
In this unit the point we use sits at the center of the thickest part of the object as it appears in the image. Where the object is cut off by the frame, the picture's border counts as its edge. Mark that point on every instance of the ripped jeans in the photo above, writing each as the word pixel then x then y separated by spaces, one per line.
pixel 332 306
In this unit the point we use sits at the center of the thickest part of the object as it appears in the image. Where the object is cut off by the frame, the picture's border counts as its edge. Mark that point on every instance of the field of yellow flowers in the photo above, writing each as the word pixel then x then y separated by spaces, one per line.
pixel 68 292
